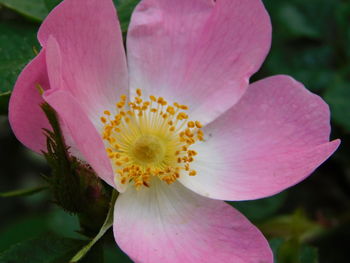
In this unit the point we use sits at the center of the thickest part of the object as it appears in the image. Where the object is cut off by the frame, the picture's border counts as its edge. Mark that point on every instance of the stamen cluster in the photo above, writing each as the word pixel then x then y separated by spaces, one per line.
pixel 150 138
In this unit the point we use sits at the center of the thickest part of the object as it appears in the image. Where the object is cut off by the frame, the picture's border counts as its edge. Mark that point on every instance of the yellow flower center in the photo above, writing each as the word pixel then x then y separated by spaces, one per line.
pixel 148 149
pixel 150 139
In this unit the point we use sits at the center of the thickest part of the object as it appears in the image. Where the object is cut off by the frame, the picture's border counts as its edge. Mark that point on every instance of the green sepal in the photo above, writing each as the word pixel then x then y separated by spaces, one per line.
pixel 74 184
pixel 64 181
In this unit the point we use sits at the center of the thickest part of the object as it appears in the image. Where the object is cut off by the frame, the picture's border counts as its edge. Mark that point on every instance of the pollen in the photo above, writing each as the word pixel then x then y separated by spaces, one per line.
pixel 150 138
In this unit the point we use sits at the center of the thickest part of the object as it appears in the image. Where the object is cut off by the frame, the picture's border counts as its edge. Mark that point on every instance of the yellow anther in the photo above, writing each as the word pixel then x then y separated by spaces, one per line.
pixel 146 142
pixel 192 173
pixel 189 133
pixel 190 124
pixel 170 110
pixel 193 153
pixel 183 107
pixel 161 101
pixel 198 124
pixel 109 150
pixel 182 116
pixel 120 104
pixel 103 119
pixel 138 100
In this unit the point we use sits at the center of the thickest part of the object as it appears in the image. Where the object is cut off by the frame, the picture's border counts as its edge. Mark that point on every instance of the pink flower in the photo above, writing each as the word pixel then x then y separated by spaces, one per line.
pixel 223 139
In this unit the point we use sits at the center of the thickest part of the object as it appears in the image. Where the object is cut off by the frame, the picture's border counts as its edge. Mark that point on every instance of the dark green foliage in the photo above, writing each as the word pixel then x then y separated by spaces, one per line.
pixel 17 40
pixel 261 209
pixel 47 248
pixel 125 8
pixel 34 10
pixel 311 42
pixel 291 251
pixel 50 4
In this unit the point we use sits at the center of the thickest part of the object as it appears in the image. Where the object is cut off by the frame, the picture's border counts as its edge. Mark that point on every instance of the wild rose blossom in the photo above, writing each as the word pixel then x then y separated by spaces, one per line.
pixel 174 125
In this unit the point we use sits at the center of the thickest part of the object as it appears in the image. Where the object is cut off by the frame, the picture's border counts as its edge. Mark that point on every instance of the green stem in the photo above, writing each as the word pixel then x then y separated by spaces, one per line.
pixel 106 225
pixel 24 192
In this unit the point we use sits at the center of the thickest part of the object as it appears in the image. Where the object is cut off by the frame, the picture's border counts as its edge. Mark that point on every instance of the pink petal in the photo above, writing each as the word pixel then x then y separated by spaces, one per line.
pixel 93 59
pixel 171 224
pixel 84 133
pixel 25 115
pixel 273 138
pixel 200 53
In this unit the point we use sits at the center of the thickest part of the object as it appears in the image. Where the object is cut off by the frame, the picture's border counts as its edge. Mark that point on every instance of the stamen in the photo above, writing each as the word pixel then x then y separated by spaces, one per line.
pixel 150 139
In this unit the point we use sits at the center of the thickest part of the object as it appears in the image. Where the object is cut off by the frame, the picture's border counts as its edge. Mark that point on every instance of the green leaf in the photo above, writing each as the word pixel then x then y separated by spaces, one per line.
pixel 306 63
pixel 62 223
pixel 50 4
pixel 44 249
pixel 275 245
pixel 24 192
pixel 113 253
pixel 261 209
pixel 35 10
pixel 4 102
pixel 295 22
pixel 106 225
pixel 55 221
pixel 292 251
pixel 308 255
pixel 338 98
pixel 16 50
pixel 125 9
pixel 295 226
pixel 19 230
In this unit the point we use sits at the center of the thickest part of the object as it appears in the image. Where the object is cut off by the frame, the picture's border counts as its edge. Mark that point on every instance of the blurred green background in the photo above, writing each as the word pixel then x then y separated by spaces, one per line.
pixel 308 223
